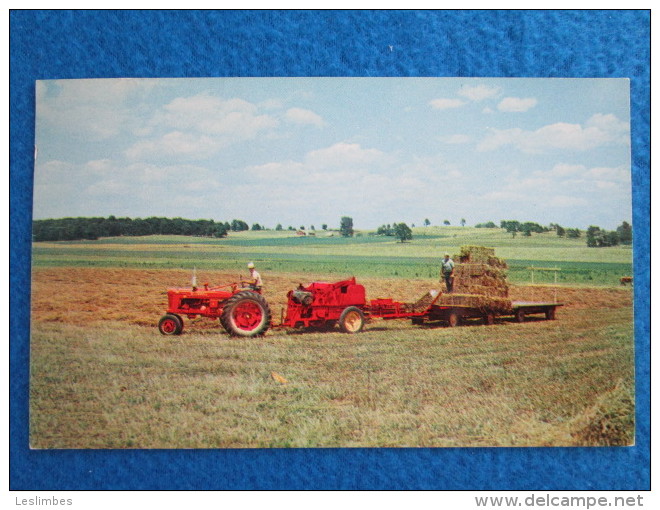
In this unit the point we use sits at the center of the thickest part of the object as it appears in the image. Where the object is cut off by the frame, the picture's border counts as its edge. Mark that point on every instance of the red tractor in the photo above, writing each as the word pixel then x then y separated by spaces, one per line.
pixel 242 311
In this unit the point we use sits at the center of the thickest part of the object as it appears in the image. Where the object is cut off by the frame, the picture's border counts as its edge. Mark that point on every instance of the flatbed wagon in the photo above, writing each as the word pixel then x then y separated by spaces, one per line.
pixel 522 309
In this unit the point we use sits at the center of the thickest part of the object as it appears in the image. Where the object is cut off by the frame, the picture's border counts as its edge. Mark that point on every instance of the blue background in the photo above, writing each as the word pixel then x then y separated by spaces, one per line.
pixel 114 44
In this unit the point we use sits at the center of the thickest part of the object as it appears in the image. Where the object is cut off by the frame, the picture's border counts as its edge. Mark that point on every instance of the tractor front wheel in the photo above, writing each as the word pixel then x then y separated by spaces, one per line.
pixel 351 320
pixel 170 324
pixel 246 314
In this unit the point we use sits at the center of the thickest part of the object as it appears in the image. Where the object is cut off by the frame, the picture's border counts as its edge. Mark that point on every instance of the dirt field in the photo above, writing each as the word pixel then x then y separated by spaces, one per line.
pixel 83 295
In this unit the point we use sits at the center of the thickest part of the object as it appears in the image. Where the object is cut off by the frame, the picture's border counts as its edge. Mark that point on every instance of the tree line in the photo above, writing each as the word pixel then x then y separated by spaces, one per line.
pixel 70 229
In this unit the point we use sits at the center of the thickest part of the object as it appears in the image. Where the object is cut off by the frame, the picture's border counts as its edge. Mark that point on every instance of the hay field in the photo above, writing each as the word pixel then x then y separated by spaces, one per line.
pixel 103 377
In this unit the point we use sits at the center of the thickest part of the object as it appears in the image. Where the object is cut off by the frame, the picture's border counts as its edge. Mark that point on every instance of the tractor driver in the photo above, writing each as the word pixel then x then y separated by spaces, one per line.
pixel 448 272
pixel 255 282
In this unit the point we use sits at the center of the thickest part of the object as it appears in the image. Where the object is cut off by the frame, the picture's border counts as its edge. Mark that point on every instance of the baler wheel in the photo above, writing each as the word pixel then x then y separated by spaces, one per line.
pixel 170 324
pixel 246 314
pixel 489 319
pixel 351 320
pixel 454 319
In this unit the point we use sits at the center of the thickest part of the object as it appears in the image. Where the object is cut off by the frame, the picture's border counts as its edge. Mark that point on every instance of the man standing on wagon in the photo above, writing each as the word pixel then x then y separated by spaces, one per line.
pixel 448 272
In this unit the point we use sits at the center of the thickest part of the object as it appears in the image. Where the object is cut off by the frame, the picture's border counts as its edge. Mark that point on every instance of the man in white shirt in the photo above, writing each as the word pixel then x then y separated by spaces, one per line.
pixel 255 283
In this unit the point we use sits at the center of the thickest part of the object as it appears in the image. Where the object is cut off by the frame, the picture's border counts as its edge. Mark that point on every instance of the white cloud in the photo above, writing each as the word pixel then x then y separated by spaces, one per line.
pixel 478 92
pixel 516 104
pixel 98 112
pixel 175 144
pixel 446 103
pixel 302 116
pixel 598 131
pixel 617 174
pixel 235 118
pixel 344 155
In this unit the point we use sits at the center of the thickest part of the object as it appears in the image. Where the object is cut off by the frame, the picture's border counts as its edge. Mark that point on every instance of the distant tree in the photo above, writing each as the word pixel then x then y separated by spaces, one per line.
pixel 346 226
pixel 237 225
pixel 625 233
pixel 385 230
pixel 462 222
pixel 412 225
pixel 402 232
pixel 256 226
pixel 324 226
pixel 530 226
pixel 573 233
pixel 427 222
pixel 278 227
pixel 511 225
pixel 290 228
pixel 312 227
pixel 446 222
pixel 302 227
pixel 593 236
pixel 561 231
pixel 490 224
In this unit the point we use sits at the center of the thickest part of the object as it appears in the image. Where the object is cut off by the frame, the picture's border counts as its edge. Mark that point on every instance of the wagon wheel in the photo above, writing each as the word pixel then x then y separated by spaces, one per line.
pixel 550 314
pixel 520 315
pixel 489 319
pixel 170 324
pixel 351 320
pixel 246 314
pixel 417 321
pixel 454 319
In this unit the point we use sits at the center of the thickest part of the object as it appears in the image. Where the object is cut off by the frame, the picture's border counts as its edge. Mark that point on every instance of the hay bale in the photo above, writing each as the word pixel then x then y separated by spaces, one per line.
pixel 482 290
pixel 480 302
pixel 481 273
pixel 475 254
pixel 422 303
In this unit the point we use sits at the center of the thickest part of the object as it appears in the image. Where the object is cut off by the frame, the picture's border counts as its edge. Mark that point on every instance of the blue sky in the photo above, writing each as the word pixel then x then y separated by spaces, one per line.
pixel 307 151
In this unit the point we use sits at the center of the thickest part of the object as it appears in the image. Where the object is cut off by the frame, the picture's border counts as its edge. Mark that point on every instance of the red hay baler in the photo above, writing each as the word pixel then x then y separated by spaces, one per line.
pixel 323 304
pixel 242 311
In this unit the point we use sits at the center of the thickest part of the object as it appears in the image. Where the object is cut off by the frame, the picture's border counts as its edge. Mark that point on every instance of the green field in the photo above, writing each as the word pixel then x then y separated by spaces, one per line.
pixel 362 255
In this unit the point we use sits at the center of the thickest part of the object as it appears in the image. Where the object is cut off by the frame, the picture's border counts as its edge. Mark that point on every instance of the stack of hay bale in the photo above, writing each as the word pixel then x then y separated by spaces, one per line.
pixel 479 281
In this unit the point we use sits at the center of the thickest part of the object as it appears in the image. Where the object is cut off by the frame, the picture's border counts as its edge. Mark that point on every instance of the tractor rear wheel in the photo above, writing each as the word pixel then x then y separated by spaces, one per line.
pixel 170 324
pixel 246 314
pixel 351 320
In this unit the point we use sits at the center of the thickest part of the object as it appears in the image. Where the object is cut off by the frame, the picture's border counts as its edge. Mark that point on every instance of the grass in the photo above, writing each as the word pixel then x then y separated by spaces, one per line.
pixel 122 386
